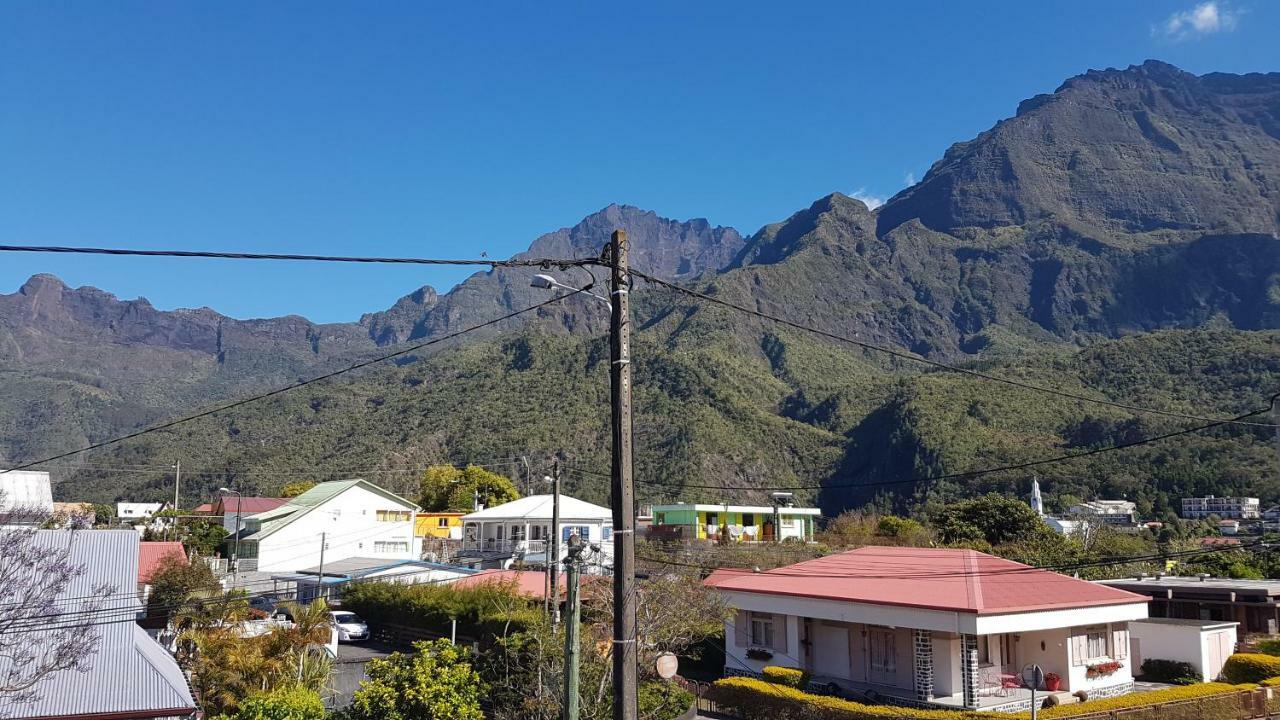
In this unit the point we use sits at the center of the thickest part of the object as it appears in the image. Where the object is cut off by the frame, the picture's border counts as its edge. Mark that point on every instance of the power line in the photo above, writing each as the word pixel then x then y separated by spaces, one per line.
pixel 533 262
pixel 295 386
pixel 934 363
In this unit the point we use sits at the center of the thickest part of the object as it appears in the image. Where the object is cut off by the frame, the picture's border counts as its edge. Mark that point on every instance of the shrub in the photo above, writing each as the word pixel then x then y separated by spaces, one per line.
pixel 663 700
pixel 1250 667
pixel 791 677
pixel 752 699
pixel 1271 682
pixel 1269 647
pixel 295 703
pixel 481 610
pixel 1218 701
pixel 1169 671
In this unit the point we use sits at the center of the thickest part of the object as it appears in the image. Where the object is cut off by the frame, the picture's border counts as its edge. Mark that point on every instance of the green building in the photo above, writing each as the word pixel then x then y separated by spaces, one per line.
pixel 743 523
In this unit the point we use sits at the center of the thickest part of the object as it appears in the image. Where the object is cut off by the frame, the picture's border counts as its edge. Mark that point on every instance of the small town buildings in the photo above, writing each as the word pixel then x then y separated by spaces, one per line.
pixel 1120 513
pixel 1227 508
pixel 151 557
pixel 749 523
pixel 130 676
pixel 929 626
pixel 1229 527
pixel 439 525
pixel 349 518
pixel 329 580
pixel 130 511
pixel 1205 644
pixel 1251 603
pixel 529 583
pixel 233 508
pixel 73 514
pixel 26 498
pixel 499 536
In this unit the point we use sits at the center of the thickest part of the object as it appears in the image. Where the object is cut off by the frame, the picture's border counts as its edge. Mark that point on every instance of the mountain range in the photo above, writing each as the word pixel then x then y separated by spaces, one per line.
pixel 1117 237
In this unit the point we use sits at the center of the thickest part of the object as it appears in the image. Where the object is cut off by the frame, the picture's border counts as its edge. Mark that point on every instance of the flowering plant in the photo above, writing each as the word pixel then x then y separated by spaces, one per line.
pixel 1103 668
pixel 759 654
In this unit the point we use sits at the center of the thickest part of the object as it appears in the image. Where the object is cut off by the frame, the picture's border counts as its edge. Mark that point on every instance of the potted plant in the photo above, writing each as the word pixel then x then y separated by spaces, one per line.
pixel 1052 682
pixel 759 654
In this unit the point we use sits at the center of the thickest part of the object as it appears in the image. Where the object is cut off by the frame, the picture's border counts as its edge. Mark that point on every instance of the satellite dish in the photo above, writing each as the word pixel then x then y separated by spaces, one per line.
pixel 666 665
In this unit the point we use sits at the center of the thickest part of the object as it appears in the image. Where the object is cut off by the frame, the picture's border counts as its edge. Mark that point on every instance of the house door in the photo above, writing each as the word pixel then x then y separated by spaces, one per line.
pixel 882 667
pixel 1008 654
pixel 830 650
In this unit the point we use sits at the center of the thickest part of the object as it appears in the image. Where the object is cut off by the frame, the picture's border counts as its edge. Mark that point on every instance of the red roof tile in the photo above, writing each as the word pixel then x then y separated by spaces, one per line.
pixel 150 555
pixel 934 578
pixel 248 505
pixel 204 508
pixel 530 583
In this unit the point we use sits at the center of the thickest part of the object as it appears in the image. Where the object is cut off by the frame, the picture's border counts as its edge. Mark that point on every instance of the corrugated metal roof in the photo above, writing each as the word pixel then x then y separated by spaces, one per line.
pixel 538 507
pixel 273 520
pixel 129 672
pixel 152 554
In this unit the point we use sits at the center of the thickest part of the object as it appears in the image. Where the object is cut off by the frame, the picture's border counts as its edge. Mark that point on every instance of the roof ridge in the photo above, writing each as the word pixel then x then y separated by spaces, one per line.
pixel 973 581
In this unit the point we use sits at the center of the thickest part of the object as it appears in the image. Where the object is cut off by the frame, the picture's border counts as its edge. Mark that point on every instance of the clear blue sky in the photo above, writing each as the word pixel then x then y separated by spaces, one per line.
pixel 441 129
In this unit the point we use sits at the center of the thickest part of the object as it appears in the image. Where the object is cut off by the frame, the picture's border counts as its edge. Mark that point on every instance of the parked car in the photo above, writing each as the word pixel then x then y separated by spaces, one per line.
pixel 263 603
pixel 350 626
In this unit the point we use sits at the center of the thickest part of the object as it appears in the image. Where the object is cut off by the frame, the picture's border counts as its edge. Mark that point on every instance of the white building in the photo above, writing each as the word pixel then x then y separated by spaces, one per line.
pixel 333 577
pixel 26 497
pixel 353 518
pixel 928 626
pixel 1107 512
pixel 128 511
pixel 1235 508
pixel 497 537
pixel 1205 644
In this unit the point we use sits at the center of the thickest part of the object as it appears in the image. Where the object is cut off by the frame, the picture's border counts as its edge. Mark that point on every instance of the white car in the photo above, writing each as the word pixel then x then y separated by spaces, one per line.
pixel 350 626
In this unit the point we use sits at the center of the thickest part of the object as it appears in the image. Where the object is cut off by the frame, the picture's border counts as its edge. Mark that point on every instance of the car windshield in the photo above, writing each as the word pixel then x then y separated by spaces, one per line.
pixel 347 618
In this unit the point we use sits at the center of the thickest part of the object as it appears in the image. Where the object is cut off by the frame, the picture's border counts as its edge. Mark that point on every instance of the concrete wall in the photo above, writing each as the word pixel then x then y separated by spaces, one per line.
pixel 1185 643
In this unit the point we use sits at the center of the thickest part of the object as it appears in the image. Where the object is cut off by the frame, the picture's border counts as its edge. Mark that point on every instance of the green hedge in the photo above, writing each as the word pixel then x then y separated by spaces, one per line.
pixel 1269 647
pixel 1250 667
pixel 791 677
pixel 1169 671
pixel 752 699
pixel 482 611
pixel 1219 701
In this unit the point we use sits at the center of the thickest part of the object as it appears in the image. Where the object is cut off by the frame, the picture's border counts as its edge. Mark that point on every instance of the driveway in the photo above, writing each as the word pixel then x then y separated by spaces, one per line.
pixel 348 669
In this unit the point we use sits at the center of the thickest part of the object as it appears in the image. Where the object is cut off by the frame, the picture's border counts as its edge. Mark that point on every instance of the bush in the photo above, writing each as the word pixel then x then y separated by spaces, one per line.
pixel 1219 702
pixel 295 703
pixel 1269 647
pixel 435 681
pixel 1271 682
pixel 663 701
pixel 1169 671
pixel 791 677
pixel 1250 668
pixel 752 699
pixel 482 611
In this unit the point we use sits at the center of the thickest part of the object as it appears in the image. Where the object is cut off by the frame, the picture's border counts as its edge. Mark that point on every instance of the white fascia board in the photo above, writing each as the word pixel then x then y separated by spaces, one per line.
pixel 1052 619
pixel 840 611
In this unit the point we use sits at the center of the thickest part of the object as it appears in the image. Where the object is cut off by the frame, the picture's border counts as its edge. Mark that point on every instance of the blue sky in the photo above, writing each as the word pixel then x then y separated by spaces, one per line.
pixel 445 130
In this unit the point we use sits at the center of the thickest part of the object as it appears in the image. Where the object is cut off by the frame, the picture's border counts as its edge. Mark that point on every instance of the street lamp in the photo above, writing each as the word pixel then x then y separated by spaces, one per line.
pixel 546 282
pixel 235 554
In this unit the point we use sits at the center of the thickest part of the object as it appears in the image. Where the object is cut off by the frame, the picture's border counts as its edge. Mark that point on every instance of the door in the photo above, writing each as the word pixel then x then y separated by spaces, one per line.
pixel 883 666
pixel 830 650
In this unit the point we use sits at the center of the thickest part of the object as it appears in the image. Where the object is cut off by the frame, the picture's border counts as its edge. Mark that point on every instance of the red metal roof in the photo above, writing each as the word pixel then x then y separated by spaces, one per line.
pixel 248 505
pixel 530 583
pixel 150 555
pixel 204 508
pixel 934 578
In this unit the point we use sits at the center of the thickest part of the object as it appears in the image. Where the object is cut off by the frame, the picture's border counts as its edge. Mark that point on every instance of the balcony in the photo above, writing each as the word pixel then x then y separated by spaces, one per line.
pixel 494 546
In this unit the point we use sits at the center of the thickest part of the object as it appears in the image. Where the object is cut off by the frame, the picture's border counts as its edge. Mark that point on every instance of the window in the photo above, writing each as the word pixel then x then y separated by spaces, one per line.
pixel 581 531
pixel 1096 642
pixel 390 546
pixel 748 519
pixel 762 629
pixel 393 516
pixel 713 518
pixel 442 522
pixel 608 533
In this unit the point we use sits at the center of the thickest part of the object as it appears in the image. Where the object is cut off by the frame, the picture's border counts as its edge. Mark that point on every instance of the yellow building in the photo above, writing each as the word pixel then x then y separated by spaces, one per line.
pixel 438 525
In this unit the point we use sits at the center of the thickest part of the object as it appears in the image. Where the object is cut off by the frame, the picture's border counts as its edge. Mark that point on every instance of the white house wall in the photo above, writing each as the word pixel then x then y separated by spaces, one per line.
pixel 349 522
pixel 1050 619
pixel 1183 643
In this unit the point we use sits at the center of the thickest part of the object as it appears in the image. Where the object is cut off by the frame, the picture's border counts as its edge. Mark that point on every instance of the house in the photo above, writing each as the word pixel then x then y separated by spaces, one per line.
pixel 1252 603
pixel 702 521
pixel 151 557
pixel 130 676
pixel 929 627
pixel 233 508
pixel 1229 527
pixel 26 498
pixel 442 525
pixel 311 583
pixel 1232 508
pixel 126 511
pixel 73 514
pixel 497 537
pixel 1120 513
pixel 203 509
pixel 529 583
pixel 352 518
pixel 1205 644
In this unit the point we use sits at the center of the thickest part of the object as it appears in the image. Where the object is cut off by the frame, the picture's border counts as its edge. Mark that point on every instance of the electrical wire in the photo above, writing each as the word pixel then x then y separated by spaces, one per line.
pixel 302 383
pixel 934 363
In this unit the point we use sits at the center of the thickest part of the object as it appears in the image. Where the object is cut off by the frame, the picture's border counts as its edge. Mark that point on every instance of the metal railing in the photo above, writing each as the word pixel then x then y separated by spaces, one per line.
pixel 494 545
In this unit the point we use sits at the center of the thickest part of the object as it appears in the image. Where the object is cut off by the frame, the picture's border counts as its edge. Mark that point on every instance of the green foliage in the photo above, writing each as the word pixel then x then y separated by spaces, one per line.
pixel 447 488
pixel 202 538
pixel 992 518
pixel 436 681
pixel 289 703
pixel 294 489
pixel 1270 646
pixel 752 699
pixel 662 701
pixel 1214 700
pixel 791 677
pixel 103 515
pixel 481 610
pixel 1176 672
pixel 176 583
pixel 1250 667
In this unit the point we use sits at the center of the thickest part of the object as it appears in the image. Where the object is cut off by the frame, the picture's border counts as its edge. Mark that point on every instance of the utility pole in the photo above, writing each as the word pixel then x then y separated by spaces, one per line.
pixel 177 478
pixel 321 573
pixel 572 566
pixel 554 593
pixel 624 541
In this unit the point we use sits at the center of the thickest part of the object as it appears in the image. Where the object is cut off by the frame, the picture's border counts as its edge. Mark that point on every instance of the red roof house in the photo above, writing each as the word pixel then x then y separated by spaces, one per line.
pixel 151 556
pixel 940 626
pixel 530 583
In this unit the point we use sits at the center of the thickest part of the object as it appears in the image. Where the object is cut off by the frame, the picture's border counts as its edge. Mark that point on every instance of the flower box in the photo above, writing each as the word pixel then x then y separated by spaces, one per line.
pixel 1102 668
pixel 759 654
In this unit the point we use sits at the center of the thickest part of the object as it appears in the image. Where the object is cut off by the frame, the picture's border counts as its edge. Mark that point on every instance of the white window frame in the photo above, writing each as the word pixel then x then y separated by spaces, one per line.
pixel 761 631
pixel 1097 633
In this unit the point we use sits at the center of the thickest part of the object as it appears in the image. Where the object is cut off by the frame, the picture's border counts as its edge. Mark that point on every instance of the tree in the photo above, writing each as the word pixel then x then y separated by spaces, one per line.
pixel 294 489
pixel 103 515
pixel 445 488
pixel 291 703
pixel 994 519
pixel 175 583
pixel 202 537
pixel 436 681
pixel 43 630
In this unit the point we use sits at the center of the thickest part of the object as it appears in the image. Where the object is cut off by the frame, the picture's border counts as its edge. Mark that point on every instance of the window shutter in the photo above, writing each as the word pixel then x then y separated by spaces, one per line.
pixel 742 629
pixel 1079 649
pixel 780 633
pixel 1120 644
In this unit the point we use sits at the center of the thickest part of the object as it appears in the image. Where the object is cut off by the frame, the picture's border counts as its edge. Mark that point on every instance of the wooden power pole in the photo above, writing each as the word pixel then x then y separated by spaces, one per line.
pixel 553 593
pixel 625 663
